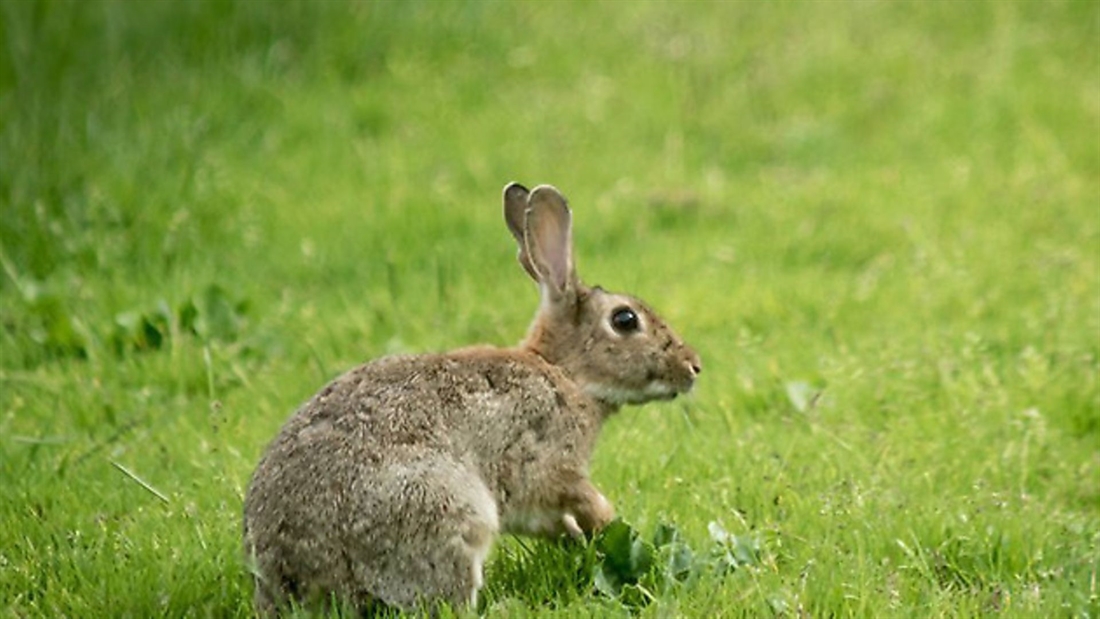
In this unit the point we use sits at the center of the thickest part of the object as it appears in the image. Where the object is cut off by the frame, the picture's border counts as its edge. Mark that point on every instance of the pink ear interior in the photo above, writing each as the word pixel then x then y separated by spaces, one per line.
pixel 549 238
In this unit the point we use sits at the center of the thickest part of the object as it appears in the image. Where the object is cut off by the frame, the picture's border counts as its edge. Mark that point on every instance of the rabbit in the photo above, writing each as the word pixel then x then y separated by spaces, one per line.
pixel 389 486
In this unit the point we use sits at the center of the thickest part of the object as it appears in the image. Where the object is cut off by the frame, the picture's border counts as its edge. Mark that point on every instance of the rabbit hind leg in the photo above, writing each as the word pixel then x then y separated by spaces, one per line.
pixel 438 533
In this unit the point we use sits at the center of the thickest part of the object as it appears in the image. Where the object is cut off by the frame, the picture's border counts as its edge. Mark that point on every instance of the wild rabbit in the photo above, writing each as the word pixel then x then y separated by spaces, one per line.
pixel 390 485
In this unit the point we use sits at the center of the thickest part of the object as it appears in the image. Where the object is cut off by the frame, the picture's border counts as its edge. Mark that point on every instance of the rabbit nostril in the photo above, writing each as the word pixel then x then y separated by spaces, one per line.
pixel 696 369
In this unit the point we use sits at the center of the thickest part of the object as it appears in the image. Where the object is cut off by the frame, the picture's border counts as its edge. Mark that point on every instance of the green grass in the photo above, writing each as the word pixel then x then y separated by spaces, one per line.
pixel 879 223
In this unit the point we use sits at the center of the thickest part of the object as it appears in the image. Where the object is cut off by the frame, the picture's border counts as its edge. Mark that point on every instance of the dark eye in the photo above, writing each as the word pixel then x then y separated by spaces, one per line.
pixel 624 320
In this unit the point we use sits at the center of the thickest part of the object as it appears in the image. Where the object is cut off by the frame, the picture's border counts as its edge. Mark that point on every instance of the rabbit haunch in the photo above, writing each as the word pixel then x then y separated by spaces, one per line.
pixel 392 482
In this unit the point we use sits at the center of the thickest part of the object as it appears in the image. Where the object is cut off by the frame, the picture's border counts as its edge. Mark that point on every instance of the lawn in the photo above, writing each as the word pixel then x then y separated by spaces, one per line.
pixel 877 222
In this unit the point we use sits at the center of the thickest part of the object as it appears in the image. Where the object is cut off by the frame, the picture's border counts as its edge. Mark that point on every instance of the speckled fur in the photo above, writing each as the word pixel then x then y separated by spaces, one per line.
pixel 392 482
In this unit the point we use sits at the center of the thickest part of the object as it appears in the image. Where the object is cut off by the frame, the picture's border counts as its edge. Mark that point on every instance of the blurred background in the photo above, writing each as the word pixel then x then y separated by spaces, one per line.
pixel 879 222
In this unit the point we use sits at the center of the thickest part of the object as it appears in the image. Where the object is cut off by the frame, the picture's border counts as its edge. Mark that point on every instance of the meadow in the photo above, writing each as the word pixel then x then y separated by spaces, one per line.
pixel 877 222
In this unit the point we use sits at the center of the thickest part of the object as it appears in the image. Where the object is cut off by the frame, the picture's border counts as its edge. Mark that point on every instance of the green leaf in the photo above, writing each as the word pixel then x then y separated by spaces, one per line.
pixel 665 534
pixel 732 551
pixel 626 561
pixel 634 571
pixel 717 533
pixel 802 395
pixel 187 315
pixel 219 316
pixel 142 331
pixel 641 557
pixel 51 323
pixel 607 582
pixel 614 544
pixel 680 562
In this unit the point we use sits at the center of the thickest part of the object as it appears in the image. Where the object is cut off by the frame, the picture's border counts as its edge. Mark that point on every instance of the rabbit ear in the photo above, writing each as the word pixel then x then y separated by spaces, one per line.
pixel 549 241
pixel 515 215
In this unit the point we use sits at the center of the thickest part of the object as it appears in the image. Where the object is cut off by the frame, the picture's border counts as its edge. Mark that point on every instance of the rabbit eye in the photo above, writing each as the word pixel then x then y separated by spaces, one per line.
pixel 624 320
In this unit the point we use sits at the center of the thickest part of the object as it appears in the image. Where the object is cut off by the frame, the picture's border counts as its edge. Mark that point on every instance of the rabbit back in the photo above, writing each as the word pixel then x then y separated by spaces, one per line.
pixel 393 481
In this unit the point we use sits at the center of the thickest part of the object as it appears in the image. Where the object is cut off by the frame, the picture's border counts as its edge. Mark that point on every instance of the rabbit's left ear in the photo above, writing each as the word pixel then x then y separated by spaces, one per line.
pixel 548 236
pixel 515 215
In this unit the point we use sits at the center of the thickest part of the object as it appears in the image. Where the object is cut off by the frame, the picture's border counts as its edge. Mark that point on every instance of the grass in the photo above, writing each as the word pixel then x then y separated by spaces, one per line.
pixel 878 222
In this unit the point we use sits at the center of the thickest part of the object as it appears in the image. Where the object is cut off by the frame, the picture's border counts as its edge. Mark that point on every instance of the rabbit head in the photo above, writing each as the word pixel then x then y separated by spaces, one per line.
pixel 612 345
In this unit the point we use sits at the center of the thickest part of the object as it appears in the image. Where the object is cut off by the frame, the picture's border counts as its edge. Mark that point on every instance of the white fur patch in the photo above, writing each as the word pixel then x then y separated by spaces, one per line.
pixel 480 541
pixel 655 390
pixel 533 522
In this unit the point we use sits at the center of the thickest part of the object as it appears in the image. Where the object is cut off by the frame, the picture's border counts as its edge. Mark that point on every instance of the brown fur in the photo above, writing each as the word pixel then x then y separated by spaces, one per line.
pixel 391 483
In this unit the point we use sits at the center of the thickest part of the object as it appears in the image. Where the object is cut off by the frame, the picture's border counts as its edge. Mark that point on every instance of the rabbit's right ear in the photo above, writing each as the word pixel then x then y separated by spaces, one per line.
pixel 515 215
pixel 549 241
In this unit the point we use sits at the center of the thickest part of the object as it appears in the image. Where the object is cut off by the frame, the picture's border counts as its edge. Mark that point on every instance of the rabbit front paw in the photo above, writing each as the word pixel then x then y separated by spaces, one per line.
pixel 590 515
pixel 569 521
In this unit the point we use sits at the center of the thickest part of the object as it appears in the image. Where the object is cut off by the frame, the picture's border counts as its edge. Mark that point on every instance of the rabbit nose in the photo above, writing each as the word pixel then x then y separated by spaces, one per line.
pixel 694 363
